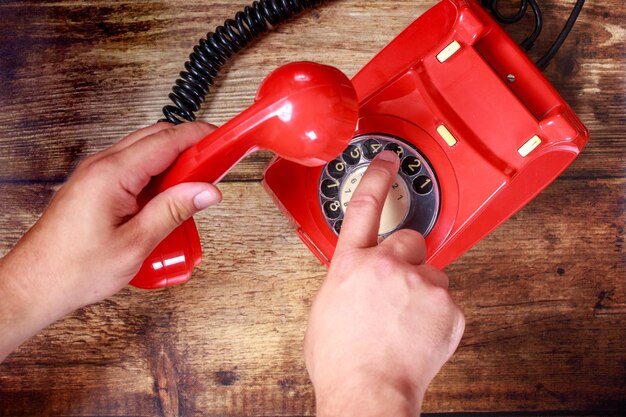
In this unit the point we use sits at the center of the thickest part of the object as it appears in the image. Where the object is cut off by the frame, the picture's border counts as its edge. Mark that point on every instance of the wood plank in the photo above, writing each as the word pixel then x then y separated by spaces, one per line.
pixel 544 296
pixel 77 76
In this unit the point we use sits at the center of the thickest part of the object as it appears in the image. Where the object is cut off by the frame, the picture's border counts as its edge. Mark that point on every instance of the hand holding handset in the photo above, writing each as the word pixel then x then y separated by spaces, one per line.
pixel 304 112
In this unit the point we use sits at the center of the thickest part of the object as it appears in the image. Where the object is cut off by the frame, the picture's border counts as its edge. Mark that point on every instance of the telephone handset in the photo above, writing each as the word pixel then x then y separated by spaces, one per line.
pixel 285 118
pixel 478 128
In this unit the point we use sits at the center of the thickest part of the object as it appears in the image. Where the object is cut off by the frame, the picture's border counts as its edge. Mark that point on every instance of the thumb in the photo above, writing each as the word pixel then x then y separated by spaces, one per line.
pixel 171 208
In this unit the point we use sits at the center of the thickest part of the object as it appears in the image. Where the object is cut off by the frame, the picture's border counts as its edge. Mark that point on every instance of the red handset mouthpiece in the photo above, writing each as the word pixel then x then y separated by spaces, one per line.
pixel 304 112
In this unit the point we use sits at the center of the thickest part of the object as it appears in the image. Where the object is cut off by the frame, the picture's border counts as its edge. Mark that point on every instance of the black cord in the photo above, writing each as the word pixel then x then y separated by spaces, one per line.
pixel 212 52
pixel 528 43
pixel 543 62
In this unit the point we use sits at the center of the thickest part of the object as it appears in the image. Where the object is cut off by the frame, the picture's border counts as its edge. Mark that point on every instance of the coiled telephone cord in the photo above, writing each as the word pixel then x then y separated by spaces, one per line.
pixel 212 52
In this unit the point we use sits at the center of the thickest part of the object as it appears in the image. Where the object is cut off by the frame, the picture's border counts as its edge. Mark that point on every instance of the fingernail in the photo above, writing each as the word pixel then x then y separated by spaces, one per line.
pixel 205 199
pixel 388 156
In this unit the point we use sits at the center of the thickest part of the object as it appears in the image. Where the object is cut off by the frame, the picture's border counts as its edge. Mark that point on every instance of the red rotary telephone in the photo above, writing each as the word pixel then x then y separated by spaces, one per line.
pixel 478 128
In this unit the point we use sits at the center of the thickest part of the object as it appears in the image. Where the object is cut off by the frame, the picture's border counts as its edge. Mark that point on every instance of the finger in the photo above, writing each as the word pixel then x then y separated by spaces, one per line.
pixel 130 139
pixel 362 219
pixel 140 134
pixel 151 155
pixel 407 245
pixel 168 210
pixel 434 276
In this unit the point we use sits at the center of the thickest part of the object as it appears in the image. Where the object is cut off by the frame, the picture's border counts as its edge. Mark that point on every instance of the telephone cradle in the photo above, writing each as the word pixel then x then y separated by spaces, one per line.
pixel 477 127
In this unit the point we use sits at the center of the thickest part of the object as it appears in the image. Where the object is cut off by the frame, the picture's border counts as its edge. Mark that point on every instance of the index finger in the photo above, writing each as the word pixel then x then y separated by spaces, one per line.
pixel 362 219
pixel 151 155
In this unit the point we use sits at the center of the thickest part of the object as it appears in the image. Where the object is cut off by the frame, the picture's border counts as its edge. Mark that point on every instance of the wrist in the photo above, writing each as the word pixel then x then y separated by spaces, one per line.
pixel 370 396
pixel 30 302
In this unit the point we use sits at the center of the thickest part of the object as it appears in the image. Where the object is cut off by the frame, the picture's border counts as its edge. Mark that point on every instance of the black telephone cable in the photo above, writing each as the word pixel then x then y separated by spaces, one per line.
pixel 212 52
pixel 528 43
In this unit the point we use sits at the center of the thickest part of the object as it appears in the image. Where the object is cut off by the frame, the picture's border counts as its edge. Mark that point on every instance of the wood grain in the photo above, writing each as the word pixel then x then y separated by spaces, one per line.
pixel 545 317
pixel 544 295
pixel 78 76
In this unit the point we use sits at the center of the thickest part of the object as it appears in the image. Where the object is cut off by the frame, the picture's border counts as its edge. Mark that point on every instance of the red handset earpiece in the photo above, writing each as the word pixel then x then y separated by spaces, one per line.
pixel 304 112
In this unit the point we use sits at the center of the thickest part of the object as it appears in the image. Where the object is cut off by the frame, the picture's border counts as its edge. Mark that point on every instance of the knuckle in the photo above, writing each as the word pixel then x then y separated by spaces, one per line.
pixel 407 241
pixel 88 165
pixel 441 296
pixel 437 276
pixel 112 161
pixel 177 212
pixel 410 236
pixel 166 135
pixel 417 277
pixel 343 263
pixel 202 128
pixel 431 277
pixel 102 166
pixel 411 281
pixel 441 276
pixel 163 124
pixel 84 163
pixel 92 175
pixel 442 302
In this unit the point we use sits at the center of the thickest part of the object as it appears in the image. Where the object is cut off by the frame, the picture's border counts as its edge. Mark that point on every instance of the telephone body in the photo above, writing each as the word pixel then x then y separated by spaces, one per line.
pixel 478 128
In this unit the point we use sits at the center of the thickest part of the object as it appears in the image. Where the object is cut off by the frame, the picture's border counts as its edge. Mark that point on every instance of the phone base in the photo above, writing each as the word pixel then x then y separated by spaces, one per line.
pixel 463 94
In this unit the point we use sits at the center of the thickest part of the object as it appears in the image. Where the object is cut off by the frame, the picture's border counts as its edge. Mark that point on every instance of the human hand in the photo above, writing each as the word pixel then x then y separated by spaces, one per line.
pixel 383 323
pixel 93 237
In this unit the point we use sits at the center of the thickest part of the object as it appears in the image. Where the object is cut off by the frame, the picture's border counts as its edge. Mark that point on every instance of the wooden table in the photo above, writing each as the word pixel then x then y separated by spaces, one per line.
pixel 544 295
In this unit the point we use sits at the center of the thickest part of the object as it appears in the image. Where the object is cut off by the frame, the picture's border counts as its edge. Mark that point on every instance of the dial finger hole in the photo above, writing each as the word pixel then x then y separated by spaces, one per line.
pixel 337 168
pixel 332 209
pixel 337 226
pixel 395 148
pixel 371 148
pixel 330 188
pixel 422 185
pixel 352 155
pixel 411 165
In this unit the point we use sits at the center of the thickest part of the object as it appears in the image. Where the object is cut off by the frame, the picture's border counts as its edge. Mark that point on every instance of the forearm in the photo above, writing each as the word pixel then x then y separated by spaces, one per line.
pixel 27 302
